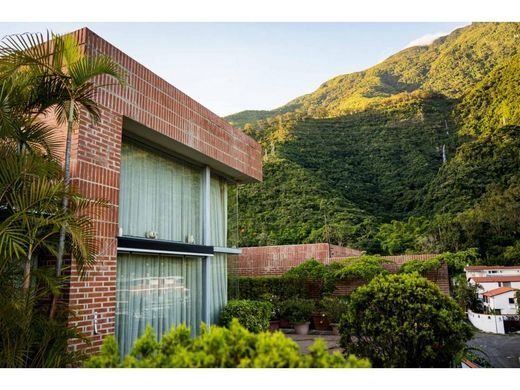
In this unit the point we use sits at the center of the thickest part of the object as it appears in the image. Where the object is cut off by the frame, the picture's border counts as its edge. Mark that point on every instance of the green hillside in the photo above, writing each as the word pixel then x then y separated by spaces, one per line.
pixel 428 137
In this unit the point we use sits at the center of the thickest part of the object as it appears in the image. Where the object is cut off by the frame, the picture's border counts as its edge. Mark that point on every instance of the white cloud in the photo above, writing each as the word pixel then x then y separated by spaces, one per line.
pixel 426 40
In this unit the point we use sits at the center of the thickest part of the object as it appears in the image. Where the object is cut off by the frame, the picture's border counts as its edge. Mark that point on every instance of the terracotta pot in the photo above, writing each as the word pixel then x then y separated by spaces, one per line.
pixel 335 329
pixel 284 324
pixel 320 322
pixel 274 326
pixel 302 328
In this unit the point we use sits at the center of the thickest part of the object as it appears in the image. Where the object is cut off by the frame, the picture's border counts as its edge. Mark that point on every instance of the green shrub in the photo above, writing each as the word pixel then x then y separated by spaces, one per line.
pixel 363 267
pixel 314 271
pixel 334 308
pixel 297 311
pixel 403 320
pixel 253 287
pixel 420 266
pixel 253 315
pixel 275 302
pixel 222 347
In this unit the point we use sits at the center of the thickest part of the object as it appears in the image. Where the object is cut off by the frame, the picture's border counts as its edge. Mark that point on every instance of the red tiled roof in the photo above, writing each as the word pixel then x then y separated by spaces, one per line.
pixel 494 279
pixel 498 291
pixel 490 267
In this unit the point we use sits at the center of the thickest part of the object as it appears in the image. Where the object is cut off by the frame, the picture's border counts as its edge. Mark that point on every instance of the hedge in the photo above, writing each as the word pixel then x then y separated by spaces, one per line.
pixel 253 287
pixel 222 347
pixel 253 315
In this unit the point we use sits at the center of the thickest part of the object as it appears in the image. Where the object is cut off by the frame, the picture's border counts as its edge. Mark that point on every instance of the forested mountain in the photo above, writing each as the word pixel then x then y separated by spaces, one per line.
pixel 420 152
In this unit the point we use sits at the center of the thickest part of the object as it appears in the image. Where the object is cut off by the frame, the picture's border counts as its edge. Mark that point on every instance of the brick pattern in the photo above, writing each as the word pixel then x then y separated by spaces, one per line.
pixel 95 169
pixel 275 260
pixel 153 102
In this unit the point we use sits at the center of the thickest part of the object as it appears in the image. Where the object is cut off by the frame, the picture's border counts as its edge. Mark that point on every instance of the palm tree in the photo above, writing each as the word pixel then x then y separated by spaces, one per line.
pixel 70 75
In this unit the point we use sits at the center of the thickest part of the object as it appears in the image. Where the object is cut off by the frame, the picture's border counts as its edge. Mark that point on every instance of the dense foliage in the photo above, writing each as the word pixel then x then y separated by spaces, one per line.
pixel 333 307
pixel 297 310
pixel 255 287
pixel 41 215
pixel 419 153
pixel 220 348
pixel 363 267
pixel 314 272
pixel 252 315
pixel 403 320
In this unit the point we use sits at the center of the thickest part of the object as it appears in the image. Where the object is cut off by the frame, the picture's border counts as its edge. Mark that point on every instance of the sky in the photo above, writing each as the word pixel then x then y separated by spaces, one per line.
pixel 231 67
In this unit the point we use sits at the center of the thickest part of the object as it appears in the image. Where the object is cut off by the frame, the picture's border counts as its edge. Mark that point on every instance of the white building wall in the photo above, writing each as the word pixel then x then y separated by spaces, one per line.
pixel 487 286
pixel 502 302
pixel 493 272
pixel 487 323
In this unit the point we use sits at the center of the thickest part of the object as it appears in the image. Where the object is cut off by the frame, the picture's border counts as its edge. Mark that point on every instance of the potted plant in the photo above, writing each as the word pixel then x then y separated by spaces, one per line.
pixel 274 300
pixel 320 320
pixel 298 312
pixel 334 307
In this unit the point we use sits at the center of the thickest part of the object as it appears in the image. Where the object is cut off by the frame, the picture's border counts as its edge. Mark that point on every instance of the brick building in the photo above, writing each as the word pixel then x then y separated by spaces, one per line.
pixel 163 162
pixel 277 259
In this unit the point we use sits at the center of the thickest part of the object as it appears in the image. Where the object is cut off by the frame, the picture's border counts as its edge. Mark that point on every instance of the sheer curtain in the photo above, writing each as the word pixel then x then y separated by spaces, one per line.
pixel 158 290
pixel 159 194
pixel 218 238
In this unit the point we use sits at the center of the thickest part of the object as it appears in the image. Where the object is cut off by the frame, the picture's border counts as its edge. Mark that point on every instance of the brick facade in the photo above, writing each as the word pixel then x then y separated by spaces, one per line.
pixel 165 111
pixel 275 260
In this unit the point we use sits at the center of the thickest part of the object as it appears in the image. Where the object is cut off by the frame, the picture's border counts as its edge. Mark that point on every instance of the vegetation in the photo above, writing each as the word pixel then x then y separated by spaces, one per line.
pixel 297 310
pixel 416 154
pixel 33 220
pixel 252 315
pixel 255 287
pixel 334 308
pixel 466 294
pixel 314 272
pixel 364 267
pixel 220 348
pixel 403 320
pixel 420 266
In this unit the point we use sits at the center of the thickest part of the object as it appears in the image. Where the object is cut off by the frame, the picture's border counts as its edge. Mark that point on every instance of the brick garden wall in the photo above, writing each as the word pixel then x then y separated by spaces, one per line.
pixel 96 155
pixel 275 260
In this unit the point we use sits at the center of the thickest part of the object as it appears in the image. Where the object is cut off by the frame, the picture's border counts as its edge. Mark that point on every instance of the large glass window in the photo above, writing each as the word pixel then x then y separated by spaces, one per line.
pixel 158 290
pixel 218 199
pixel 159 194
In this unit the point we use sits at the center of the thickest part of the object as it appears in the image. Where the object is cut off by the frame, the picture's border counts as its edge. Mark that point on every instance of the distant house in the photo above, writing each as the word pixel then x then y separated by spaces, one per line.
pixel 491 270
pixel 497 286
pixel 501 300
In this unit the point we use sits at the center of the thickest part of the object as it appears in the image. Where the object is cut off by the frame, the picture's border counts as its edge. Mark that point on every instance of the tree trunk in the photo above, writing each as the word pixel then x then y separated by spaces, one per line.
pixel 27 274
pixel 65 202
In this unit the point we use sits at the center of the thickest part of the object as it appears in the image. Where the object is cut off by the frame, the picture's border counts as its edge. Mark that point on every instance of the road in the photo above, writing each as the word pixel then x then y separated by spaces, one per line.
pixel 503 350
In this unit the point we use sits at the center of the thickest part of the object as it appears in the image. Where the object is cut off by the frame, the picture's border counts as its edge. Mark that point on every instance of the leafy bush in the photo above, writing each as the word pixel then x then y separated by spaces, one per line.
pixel 333 307
pixel 458 260
pixel 314 271
pixel 466 294
pixel 275 302
pixel 297 310
pixel 403 320
pixel 362 267
pixel 253 315
pixel 254 287
pixel 420 266
pixel 222 347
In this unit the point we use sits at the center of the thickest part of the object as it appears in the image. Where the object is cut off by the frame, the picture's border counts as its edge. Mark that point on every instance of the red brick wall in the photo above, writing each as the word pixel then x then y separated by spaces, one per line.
pixel 95 168
pixel 153 102
pixel 275 260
